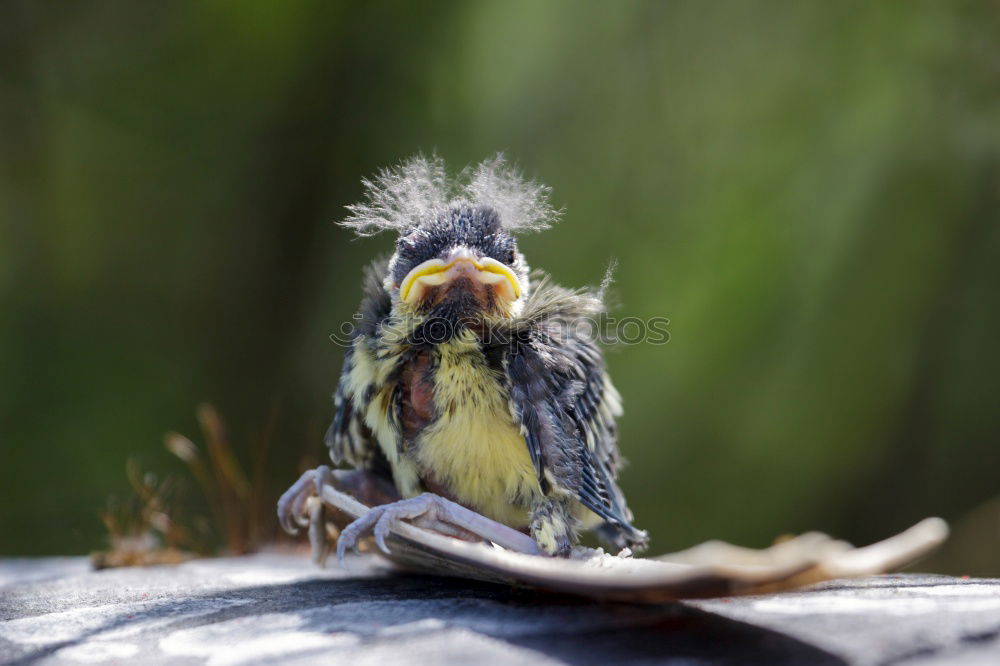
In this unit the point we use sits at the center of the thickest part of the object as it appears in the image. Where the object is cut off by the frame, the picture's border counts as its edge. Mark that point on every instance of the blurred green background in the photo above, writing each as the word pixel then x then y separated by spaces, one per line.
pixel 809 191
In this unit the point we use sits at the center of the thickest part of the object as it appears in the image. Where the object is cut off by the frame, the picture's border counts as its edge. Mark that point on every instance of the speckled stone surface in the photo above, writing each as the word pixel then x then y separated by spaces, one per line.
pixel 273 608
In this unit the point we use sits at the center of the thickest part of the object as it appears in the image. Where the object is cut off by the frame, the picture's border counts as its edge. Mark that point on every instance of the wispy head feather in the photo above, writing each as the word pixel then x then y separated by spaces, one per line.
pixel 419 191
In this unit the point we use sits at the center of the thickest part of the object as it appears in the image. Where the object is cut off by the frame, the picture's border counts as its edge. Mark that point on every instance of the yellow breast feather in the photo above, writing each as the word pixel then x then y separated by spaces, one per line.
pixel 474 448
pixel 371 372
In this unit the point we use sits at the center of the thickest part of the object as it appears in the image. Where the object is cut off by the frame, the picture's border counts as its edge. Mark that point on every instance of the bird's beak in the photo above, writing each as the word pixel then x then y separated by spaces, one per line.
pixel 461 262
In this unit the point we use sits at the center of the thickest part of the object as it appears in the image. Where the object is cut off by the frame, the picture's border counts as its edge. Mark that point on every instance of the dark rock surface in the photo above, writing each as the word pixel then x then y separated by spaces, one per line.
pixel 279 608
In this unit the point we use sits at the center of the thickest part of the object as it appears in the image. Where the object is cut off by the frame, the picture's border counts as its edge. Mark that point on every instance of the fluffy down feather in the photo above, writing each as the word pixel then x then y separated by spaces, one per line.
pixel 419 191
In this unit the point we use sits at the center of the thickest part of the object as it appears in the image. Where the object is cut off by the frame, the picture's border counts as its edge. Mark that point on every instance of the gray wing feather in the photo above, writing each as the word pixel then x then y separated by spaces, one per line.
pixel 348 438
pixel 565 404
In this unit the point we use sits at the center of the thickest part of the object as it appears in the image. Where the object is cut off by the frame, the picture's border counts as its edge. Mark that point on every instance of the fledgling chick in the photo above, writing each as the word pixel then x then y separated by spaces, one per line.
pixel 465 381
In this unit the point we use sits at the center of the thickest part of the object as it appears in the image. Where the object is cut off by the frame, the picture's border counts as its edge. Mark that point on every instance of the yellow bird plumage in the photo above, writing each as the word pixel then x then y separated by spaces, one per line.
pixel 469 382
pixel 496 476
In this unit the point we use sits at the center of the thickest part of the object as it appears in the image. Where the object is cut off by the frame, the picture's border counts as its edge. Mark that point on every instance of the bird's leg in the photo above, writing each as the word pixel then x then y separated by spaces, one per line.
pixel 437 513
pixel 554 527
pixel 301 505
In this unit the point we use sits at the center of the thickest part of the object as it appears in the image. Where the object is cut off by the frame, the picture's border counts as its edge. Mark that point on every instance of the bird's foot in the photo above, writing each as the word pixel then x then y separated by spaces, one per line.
pixel 302 506
pixel 291 504
pixel 435 513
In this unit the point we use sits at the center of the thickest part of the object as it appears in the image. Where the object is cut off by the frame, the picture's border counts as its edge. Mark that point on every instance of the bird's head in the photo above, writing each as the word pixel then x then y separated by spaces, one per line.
pixel 464 264
pixel 456 256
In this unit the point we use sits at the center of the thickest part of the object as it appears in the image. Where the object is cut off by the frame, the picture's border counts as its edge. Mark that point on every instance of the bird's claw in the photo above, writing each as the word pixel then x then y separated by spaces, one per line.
pixel 303 505
pixel 380 521
pixel 292 513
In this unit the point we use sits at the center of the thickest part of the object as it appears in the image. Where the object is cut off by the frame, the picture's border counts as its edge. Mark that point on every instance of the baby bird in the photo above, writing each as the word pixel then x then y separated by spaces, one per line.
pixel 471 385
